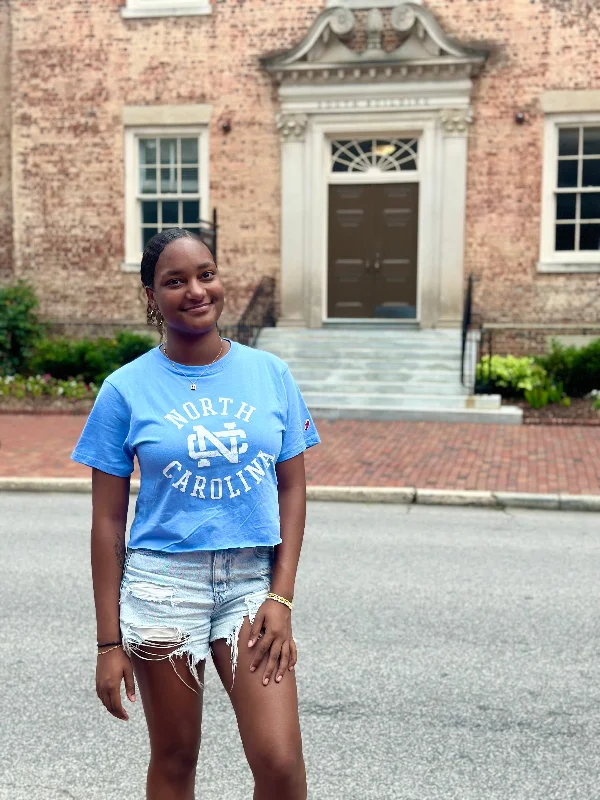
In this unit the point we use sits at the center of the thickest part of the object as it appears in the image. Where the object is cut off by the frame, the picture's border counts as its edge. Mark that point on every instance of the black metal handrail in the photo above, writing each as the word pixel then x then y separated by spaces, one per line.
pixel 466 325
pixel 208 233
pixel 258 314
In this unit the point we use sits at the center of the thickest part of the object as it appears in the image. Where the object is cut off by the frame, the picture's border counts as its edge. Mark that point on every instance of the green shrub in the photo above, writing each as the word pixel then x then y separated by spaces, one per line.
pixel 20 326
pixel 511 376
pixel 576 368
pixel 90 360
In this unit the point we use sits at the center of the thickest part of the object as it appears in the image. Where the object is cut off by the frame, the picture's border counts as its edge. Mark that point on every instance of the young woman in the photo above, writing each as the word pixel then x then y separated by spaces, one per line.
pixel 219 431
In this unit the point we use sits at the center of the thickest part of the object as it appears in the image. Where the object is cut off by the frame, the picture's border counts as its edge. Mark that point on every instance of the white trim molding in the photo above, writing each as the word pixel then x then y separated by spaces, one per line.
pixel 314 121
pixel 133 251
pixel 552 260
pixel 570 101
pixel 359 5
pixel 136 9
pixel 193 114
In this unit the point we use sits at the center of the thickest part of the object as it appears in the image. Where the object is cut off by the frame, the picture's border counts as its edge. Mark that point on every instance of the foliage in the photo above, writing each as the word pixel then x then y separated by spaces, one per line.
pixel 538 397
pixel 26 387
pixel 576 368
pixel 91 360
pixel 511 376
pixel 20 327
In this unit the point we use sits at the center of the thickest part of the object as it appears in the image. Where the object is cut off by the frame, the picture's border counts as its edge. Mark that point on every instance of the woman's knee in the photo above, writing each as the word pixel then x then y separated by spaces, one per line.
pixel 176 760
pixel 279 765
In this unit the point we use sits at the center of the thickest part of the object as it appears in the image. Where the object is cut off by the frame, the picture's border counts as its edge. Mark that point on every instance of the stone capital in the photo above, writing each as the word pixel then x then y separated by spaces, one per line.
pixel 292 127
pixel 456 121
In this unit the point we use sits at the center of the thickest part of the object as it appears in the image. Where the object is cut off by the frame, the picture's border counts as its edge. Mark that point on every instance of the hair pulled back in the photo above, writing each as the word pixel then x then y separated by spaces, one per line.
pixel 155 247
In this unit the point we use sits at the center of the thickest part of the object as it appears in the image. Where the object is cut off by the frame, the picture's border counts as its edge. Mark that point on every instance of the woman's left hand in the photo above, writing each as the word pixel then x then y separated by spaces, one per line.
pixel 271 633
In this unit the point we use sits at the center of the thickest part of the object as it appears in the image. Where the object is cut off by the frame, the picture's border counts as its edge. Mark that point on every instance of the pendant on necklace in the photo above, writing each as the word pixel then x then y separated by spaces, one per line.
pixel 193 387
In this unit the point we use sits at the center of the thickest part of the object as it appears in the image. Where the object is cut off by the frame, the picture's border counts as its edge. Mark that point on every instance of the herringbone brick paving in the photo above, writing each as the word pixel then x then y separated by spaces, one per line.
pixel 356 453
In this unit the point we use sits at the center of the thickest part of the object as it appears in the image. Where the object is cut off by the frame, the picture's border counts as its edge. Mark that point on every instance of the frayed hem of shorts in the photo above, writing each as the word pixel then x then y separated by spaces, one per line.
pixel 253 603
pixel 145 649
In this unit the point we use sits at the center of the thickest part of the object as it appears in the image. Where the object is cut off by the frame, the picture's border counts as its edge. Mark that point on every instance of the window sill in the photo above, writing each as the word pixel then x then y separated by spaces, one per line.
pixel 564 267
pixel 201 9
pixel 127 266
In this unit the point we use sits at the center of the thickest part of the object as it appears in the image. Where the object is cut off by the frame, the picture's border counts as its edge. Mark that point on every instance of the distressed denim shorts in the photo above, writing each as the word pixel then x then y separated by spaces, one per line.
pixel 181 602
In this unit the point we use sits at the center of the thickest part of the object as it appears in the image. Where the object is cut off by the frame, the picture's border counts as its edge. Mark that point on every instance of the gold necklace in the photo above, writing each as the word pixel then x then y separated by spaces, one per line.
pixel 163 348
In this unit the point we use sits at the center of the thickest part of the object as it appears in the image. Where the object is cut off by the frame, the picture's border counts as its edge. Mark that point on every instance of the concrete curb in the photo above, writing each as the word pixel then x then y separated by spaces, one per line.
pixel 362 494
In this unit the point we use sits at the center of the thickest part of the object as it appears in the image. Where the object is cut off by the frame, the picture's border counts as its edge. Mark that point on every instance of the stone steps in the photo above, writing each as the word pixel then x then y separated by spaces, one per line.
pixel 389 373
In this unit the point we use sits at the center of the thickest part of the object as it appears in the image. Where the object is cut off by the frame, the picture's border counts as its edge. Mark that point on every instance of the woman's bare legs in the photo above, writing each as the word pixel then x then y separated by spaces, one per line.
pixel 174 716
pixel 268 722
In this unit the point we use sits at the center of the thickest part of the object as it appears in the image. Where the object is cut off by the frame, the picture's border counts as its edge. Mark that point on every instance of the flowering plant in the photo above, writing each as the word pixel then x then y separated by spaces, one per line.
pixel 25 387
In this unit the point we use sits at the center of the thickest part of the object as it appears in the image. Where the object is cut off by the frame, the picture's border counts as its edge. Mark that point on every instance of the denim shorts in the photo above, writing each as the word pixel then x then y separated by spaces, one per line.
pixel 176 604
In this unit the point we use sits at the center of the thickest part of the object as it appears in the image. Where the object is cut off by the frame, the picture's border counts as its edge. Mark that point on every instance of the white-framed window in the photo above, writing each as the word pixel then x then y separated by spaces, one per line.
pixel 570 232
pixel 374 155
pixel 165 8
pixel 166 184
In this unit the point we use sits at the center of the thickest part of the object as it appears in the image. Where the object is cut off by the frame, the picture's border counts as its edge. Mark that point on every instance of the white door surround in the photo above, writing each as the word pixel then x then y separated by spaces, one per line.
pixel 326 91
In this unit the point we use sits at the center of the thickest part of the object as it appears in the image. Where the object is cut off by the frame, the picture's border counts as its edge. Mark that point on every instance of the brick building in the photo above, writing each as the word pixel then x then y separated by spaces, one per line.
pixel 369 154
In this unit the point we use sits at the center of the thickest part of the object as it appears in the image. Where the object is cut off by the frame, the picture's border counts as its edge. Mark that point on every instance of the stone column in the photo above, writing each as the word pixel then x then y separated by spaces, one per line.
pixel 455 124
pixel 292 130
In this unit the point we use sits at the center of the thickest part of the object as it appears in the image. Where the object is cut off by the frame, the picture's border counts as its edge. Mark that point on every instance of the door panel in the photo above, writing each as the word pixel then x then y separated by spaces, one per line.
pixel 396 244
pixel 373 241
pixel 350 286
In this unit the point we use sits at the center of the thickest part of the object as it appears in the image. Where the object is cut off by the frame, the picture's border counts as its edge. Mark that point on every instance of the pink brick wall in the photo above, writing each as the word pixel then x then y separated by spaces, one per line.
pixel 75 64
pixel 5 150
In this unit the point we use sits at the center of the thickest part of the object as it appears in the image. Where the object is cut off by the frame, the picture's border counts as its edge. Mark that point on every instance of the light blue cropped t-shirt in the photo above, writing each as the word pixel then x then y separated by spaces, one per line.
pixel 207 457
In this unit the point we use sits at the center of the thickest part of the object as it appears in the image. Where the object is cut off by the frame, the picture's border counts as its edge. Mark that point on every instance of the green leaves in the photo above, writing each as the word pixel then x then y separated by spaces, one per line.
pixel 512 375
pixel 20 327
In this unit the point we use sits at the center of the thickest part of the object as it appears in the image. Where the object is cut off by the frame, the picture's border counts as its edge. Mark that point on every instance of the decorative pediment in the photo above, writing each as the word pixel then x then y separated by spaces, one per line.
pixel 403 42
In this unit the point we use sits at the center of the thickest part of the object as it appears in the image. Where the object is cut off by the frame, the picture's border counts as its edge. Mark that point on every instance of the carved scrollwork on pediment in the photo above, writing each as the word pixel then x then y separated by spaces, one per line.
pixel 331 51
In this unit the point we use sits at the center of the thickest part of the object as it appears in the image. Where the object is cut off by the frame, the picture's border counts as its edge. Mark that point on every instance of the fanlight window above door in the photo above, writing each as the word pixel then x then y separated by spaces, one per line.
pixel 374 155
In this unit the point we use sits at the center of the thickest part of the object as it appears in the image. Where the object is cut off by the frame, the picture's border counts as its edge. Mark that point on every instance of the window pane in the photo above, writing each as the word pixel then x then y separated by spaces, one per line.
pixel 147 151
pixel 565 237
pixel 189 151
pixel 568 141
pixel 565 206
pixel 150 211
pixel 590 206
pixel 567 173
pixel 589 237
pixel 147 234
pixel 168 180
pixel 191 211
pixel 168 151
pixel 170 212
pixel 591 141
pixel 591 172
pixel 189 180
pixel 147 180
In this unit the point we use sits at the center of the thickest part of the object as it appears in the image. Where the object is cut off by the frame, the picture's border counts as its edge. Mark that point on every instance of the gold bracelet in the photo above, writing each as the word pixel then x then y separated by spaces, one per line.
pixel 104 652
pixel 279 599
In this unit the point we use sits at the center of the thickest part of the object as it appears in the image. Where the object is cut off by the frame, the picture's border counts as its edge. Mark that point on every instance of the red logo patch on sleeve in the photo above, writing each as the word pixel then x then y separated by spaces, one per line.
pixel 307 425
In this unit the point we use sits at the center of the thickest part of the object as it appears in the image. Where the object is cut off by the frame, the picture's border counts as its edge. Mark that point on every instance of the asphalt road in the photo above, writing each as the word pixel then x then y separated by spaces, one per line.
pixel 444 653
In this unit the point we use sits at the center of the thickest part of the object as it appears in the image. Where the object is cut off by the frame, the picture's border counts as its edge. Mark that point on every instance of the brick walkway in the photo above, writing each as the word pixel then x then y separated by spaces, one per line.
pixel 444 456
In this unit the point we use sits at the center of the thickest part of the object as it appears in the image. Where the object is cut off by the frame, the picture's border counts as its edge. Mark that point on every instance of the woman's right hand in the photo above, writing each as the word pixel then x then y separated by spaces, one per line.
pixel 111 669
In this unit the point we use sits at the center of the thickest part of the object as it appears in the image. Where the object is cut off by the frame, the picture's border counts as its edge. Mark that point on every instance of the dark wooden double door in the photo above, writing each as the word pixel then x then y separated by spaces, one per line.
pixel 373 240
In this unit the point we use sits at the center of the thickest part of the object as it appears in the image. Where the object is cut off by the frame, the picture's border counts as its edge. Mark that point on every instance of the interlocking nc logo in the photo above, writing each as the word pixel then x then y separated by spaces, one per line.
pixel 202 436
